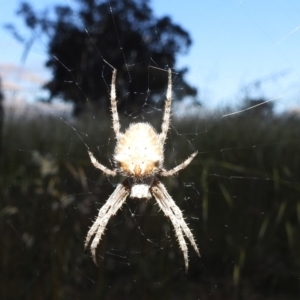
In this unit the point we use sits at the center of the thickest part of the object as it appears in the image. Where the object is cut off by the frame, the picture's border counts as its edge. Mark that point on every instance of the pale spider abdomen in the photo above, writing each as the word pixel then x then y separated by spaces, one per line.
pixel 139 151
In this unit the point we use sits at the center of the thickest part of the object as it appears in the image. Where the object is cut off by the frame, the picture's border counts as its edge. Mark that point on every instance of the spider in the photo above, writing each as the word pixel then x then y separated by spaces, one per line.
pixel 139 156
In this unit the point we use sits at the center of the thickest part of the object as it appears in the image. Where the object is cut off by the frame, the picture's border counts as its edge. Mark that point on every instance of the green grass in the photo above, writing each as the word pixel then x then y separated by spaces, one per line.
pixel 241 197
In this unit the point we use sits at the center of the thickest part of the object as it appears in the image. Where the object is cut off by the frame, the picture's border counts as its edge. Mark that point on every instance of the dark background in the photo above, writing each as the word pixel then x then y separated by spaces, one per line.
pixel 240 196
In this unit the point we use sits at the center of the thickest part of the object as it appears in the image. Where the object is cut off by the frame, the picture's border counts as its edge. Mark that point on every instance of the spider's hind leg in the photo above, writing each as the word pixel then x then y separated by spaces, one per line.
pixel 167 112
pixel 114 109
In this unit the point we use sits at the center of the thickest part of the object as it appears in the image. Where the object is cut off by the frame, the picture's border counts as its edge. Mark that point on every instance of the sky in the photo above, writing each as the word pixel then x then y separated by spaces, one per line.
pixel 240 48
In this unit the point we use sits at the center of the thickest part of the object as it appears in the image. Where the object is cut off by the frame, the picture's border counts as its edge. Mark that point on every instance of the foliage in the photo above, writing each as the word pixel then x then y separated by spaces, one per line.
pixel 108 31
pixel 1 114
pixel 240 196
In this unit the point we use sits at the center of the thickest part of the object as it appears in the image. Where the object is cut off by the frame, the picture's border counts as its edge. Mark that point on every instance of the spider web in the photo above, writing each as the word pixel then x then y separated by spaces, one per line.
pixel 240 196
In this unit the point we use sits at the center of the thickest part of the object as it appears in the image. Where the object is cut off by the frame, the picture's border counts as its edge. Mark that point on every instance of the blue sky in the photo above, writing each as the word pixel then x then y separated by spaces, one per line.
pixel 235 44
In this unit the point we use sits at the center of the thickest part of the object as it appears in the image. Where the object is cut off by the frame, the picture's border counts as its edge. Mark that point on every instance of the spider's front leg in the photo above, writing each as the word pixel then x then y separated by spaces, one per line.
pixel 171 210
pixel 110 208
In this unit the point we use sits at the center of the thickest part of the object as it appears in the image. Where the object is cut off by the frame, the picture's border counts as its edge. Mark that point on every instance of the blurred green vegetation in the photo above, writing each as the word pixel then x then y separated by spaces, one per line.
pixel 240 196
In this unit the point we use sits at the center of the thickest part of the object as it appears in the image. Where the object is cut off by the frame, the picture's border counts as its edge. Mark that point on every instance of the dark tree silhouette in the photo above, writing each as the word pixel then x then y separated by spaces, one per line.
pixel 123 33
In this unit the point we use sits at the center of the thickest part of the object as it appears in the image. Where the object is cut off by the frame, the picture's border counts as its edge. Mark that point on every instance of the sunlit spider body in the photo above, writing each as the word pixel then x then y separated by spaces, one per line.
pixel 139 156
pixel 139 152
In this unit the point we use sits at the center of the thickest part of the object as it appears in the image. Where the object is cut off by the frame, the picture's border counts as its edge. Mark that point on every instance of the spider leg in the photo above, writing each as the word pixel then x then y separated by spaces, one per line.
pixel 171 210
pixel 110 208
pixel 178 231
pixel 94 228
pixel 97 165
pixel 114 109
pixel 185 228
pixel 166 118
pixel 179 167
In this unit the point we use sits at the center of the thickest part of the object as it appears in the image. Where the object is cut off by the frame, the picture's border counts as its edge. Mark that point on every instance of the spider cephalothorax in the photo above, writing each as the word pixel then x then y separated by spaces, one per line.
pixel 139 155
